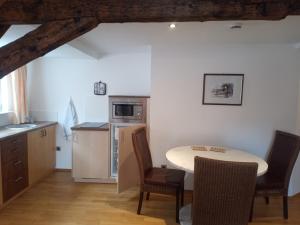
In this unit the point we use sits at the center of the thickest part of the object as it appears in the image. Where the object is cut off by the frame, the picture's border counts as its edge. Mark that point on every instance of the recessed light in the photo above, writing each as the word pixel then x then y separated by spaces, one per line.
pixel 236 26
pixel 172 26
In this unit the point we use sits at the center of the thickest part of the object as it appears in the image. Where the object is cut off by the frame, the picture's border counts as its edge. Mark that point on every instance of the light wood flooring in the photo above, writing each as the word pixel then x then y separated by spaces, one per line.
pixel 59 201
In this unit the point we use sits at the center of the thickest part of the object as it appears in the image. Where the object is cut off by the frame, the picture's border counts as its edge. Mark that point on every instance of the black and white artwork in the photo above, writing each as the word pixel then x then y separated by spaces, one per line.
pixel 223 89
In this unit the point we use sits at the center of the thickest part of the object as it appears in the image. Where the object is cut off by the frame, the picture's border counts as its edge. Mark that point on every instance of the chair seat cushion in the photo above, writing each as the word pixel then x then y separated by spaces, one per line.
pixel 268 183
pixel 163 176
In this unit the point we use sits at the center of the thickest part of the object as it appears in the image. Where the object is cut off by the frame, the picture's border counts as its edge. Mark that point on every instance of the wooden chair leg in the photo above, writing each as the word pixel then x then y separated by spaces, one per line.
pixel 177 205
pixel 251 210
pixel 267 200
pixel 140 203
pixel 182 196
pixel 285 207
pixel 148 196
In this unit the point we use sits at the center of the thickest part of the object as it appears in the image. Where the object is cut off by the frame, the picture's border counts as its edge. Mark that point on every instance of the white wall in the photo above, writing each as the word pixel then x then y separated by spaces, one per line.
pixel 53 81
pixel 295 180
pixel 179 118
pixel 177 114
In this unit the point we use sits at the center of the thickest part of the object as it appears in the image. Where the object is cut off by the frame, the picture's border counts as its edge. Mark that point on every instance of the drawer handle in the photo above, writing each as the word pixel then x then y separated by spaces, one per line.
pixel 14 142
pixel 15 149
pixel 17 163
pixel 43 133
pixel 18 179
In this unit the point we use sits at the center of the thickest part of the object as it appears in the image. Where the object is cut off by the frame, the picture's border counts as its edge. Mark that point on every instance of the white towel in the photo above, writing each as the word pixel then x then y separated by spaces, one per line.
pixel 71 119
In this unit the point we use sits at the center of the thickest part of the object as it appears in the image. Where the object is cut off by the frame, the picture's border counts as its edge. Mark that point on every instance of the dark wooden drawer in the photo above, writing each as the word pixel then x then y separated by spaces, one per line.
pixel 14 164
pixel 13 149
pixel 13 170
pixel 12 187
pixel 15 178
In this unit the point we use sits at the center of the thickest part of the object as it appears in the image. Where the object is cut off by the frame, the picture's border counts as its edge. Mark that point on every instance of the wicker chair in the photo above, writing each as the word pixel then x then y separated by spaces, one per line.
pixel 156 180
pixel 223 192
pixel 281 160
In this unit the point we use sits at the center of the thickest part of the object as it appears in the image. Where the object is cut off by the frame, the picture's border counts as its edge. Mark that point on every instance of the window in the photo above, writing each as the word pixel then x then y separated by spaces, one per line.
pixel 13 94
pixel 4 94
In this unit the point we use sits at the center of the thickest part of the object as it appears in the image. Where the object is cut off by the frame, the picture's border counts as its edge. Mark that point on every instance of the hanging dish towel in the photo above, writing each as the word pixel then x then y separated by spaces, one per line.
pixel 71 119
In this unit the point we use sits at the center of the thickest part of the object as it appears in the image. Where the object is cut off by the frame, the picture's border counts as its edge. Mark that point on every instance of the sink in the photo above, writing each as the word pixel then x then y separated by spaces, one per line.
pixel 21 126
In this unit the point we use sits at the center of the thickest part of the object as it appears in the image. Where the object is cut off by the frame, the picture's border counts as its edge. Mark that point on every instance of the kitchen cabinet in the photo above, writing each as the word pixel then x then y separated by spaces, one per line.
pixel 91 155
pixel 126 114
pixel 41 153
pixel 14 166
pixel 26 156
pixel 93 161
pixel 128 171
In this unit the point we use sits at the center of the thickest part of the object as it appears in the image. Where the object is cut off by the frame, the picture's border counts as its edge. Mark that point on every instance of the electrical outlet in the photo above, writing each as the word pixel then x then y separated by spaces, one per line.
pixel 58 148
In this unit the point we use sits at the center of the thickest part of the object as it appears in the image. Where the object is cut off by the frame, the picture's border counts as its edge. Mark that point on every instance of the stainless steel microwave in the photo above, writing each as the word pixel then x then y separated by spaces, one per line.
pixel 124 109
pixel 133 111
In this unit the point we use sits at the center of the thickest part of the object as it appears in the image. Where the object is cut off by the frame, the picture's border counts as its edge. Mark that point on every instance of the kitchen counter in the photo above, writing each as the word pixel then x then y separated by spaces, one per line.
pixel 10 132
pixel 91 126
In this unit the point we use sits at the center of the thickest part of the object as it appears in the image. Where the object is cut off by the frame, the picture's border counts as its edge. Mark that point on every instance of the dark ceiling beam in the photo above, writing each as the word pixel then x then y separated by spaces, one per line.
pixel 41 41
pixel 1 2
pixel 118 11
pixel 295 8
pixel 3 29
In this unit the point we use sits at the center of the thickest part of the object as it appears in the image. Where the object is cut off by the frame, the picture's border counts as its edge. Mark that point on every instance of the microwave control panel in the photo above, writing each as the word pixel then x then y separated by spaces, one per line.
pixel 139 111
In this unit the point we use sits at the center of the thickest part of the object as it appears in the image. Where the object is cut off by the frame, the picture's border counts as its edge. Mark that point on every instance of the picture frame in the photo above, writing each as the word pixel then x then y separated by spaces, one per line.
pixel 223 89
pixel 99 88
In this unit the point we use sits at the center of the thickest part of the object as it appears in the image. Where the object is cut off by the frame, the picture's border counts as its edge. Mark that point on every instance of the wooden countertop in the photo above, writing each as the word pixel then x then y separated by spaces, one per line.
pixel 8 132
pixel 92 126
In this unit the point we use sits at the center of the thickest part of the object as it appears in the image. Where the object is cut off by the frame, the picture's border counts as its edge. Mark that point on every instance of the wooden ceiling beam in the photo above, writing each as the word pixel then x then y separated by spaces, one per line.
pixel 41 41
pixel 295 8
pixel 1 2
pixel 118 11
pixel 3 29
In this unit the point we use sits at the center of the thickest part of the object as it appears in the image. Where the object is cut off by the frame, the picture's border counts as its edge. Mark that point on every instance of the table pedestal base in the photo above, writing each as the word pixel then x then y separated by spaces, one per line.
pixel 185 215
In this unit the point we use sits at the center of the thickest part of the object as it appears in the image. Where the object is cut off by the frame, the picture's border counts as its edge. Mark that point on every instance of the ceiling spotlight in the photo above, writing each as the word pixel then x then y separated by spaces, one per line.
pixel 172 26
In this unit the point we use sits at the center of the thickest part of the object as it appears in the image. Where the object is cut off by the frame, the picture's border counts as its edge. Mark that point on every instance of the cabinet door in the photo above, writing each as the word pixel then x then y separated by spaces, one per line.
pixel 41 153
pixel 35 155
pixel 49 141
pixel 91 154
pixel 128 171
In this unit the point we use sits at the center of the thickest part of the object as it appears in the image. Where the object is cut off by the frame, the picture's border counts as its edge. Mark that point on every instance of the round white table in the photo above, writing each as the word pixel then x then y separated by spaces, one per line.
pixel 183 158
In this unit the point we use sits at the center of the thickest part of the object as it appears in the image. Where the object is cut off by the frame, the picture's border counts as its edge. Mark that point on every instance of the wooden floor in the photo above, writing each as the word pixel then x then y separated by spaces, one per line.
pixel 59 201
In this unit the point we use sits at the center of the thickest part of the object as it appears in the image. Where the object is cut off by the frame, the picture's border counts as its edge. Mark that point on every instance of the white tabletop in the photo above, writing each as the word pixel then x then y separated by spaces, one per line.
pixel 183 158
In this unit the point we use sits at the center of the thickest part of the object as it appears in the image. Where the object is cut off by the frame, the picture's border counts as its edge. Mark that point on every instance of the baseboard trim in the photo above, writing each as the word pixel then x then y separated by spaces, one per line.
pixel 100 181
pixel 62 170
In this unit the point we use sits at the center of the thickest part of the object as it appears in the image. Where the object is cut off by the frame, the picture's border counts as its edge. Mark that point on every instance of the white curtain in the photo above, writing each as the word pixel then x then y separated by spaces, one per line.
pixel 13 94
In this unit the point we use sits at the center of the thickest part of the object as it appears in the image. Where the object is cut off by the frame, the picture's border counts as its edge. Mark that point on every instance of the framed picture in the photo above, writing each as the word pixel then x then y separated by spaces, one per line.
pixel 223 89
